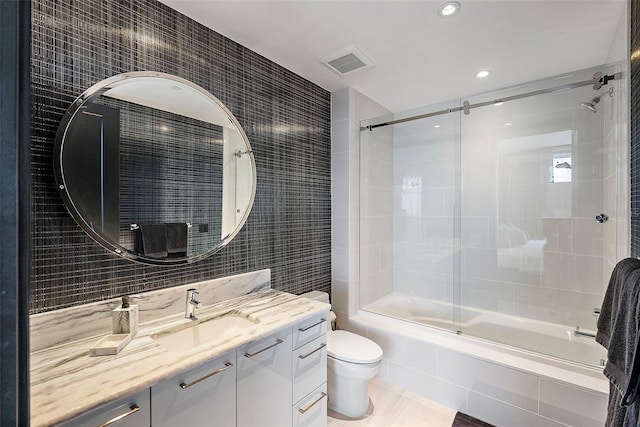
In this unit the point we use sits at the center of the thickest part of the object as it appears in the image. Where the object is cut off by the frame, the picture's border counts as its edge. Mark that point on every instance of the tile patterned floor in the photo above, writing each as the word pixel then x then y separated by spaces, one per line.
pixel 396 407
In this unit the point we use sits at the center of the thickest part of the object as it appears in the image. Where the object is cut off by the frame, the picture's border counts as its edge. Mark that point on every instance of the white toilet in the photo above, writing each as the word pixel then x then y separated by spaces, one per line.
pixel 351 361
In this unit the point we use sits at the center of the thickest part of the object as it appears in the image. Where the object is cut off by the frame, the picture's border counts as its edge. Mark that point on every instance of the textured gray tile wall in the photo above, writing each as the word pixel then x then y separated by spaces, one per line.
pixel 76 44
pixel 635 128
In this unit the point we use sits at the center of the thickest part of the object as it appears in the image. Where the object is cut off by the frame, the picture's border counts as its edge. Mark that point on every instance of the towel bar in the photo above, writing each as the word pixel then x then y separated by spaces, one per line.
pixel 579 333
pixel 136 226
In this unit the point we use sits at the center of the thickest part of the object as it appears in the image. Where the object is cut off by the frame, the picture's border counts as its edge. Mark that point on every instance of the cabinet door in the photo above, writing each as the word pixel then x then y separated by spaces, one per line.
pixel 132 411
pixel 264 382
pixel 312 410
pixel 204 396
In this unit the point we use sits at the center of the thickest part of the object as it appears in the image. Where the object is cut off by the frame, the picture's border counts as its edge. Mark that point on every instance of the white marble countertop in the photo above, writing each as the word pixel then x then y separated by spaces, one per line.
pixel 66 381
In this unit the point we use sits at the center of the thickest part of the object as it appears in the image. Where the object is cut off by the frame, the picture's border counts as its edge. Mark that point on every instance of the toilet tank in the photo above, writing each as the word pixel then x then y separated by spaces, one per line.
pixel 317 296
pixel 323 297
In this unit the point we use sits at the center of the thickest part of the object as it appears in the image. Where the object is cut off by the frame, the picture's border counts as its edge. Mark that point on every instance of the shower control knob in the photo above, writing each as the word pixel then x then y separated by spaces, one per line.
pixel 602 218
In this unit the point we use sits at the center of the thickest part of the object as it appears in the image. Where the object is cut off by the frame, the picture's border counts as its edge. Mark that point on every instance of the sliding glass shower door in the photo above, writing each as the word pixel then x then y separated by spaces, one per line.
pixel 538 210
pixel 409 184
pixel 497 216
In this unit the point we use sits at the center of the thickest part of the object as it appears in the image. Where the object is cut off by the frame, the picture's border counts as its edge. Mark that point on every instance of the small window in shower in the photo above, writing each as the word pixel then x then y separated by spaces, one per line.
pixel 561 168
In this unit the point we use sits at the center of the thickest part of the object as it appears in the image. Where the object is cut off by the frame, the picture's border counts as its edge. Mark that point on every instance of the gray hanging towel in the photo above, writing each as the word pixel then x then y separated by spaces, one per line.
pixel 154 240
pixel 619 332
pixel 177 235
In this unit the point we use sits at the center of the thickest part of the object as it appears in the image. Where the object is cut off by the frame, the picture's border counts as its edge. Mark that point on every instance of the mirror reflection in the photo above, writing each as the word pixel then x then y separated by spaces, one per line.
pixel 155 168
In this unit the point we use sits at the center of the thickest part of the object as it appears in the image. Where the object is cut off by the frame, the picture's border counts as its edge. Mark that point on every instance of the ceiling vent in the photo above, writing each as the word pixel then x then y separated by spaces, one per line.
pixel 348 60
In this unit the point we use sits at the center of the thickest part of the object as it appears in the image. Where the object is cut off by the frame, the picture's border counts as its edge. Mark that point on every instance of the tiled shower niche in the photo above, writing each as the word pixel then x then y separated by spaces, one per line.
pixel 286 118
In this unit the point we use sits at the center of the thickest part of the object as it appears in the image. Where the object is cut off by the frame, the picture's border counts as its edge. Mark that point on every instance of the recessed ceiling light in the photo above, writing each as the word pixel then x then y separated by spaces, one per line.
pixel 498 103
pixel 508 124
pixel 449 9
pixel 436 126
pixel 483 73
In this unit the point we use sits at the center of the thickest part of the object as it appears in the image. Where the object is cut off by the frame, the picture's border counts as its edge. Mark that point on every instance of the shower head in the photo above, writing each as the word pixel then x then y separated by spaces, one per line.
pixel 591 105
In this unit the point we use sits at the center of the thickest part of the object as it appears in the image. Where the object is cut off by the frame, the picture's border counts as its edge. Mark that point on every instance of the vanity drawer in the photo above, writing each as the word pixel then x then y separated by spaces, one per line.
pixel 310 329
pixel 132 411
pixel 312 410
pixel 309 367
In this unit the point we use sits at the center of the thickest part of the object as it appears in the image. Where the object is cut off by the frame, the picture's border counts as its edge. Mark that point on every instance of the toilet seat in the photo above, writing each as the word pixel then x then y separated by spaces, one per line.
pixel 352 348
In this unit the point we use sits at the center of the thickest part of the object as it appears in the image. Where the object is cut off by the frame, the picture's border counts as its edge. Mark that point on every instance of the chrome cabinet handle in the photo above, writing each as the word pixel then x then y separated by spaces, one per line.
pixel 132 410
pixel 250 355
pixel 322 396
pixel 304 356
pixel 226 366
pixel 309 327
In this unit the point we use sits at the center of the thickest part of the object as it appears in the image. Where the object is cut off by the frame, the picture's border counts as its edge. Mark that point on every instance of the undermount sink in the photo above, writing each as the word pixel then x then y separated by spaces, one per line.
pixel 186 337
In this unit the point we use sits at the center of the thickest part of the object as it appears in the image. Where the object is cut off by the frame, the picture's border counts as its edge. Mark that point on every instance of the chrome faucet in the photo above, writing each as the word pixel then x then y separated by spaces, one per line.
pixel 191 304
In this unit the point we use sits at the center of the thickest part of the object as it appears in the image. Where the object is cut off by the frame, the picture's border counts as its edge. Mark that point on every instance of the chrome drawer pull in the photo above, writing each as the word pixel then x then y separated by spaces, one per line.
pixel 322 395
pixel 226 366
pixel 132 410
pixel 309 327
pixel 278 341
pixel 304 356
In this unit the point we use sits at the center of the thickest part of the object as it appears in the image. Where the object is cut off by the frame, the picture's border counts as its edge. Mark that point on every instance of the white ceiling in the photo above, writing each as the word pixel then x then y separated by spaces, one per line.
pixel 420 57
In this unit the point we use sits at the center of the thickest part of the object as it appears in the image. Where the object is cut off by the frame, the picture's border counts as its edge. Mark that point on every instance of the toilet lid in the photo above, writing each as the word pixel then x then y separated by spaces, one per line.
pixel 347 346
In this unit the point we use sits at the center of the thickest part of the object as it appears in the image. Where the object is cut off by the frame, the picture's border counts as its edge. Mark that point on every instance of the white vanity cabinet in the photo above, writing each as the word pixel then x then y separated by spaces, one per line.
pixel 264 381
pixel 204 396
pixel 310 373
pixel 276 381
pixel 131 411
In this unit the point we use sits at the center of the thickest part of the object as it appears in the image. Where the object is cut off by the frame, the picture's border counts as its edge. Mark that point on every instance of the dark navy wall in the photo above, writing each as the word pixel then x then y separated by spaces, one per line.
pixel 14 213
pixel 76 44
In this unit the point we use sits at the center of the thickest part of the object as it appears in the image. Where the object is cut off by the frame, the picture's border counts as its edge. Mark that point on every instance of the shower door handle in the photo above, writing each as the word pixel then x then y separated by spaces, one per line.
pixel 602 218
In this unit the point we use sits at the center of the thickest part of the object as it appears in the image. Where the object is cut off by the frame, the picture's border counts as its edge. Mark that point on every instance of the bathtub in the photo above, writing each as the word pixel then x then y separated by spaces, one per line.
pixel 542 337
pixel 545 375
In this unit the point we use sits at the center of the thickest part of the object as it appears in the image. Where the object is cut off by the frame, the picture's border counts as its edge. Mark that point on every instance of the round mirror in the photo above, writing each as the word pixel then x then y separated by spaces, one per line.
pixel 154 168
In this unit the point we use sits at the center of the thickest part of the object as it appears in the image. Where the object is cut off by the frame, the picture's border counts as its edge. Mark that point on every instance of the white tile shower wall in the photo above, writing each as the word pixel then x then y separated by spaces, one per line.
pixel 490 391
pixel 376 214
pixel 348 108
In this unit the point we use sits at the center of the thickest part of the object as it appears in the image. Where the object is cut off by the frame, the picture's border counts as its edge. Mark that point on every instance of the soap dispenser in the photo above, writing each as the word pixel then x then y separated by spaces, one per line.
pixel 124 322
pixel 125 318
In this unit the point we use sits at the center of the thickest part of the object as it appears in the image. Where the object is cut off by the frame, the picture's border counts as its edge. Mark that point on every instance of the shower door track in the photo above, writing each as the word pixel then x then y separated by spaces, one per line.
pixel 598 81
